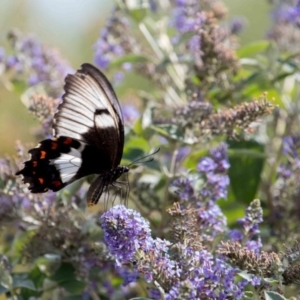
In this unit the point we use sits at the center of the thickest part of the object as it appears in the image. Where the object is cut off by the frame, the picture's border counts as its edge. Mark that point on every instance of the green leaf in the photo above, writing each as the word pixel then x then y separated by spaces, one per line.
pixel 19 86
pixel 245 275
pixel 246 160
pixel 269 295
pixel 73 297
pixel 191 160
pixel 248 295
pixel 21 240
pixel 138 9
pixel 131 154
pixel 271 280
pixel 3 289
pixel 5 278
pixel 47 265
pixel 37 276
pixel 19 282
pixel 73 286
pixel 137 143
pixel 140 298
pixel 253 49
pixel 137 127
pixel 65 272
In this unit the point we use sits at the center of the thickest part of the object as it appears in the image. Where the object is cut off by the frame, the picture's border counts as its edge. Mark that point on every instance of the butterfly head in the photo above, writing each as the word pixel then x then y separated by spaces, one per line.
pixel 117 172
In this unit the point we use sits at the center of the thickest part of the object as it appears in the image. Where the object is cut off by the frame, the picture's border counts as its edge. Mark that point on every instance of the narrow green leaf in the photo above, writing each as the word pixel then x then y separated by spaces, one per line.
pixel 19 282
pixel 73 297
pixel 3 289
pixel 253 49
pixel 66 272
pixel 269 295
pixel 5 278
pixel 19 86
pixel 137 127
pixel 37 276
pixel 246 159
pixel 73 286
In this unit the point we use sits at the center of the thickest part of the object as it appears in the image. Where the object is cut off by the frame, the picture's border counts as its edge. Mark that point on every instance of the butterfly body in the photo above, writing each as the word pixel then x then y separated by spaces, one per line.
pixel 88 138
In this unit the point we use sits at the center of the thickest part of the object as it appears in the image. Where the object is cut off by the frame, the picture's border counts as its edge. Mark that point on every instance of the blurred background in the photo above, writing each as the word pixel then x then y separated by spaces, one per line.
pixel 73 27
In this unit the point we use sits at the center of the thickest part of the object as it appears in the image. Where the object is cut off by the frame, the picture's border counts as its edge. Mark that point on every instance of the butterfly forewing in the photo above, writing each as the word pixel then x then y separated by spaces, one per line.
pixel 88 138
pixel 91 112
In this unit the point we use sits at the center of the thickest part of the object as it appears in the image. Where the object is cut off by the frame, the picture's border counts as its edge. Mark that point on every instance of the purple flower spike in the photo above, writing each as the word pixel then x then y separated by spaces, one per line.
pixel 215 168
pixel 125 232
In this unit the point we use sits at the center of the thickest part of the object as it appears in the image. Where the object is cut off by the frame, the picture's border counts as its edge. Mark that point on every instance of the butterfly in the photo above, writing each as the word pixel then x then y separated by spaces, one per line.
pixel 88 138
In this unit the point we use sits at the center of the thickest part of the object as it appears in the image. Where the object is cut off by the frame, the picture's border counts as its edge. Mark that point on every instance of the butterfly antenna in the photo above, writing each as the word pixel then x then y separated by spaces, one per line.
pixel 144 159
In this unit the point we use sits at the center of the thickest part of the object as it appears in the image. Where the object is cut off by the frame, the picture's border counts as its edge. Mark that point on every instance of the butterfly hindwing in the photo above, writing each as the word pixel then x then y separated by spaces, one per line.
pixel 53 164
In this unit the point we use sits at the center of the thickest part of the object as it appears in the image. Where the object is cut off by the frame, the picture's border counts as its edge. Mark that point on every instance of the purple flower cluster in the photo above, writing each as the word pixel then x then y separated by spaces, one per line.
pixel 290 146
pixel 106 50
pixel 290 149
pixel 129 240
pixel 288 13
pixel 250 224
pixel 125 232
pixel 130 113
pixel 113 43
pixel 184 188
pixel 187 19
pixel 215 170
pixel 184 16
pixel 212 220
pixel 195 274
pixel 38 63
pixel 209 277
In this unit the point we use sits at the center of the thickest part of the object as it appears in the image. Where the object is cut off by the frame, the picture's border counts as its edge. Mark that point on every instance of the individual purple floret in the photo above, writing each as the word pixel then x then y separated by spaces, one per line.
pixel 184 189
pixel 237 25
pixel 130 113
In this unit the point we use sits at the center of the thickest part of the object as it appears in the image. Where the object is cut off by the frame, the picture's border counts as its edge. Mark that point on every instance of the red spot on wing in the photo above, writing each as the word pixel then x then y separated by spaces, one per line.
pixel 43 154
pixel 56 183
pixel 68 141
pixel 34 163
pixel 54 145
pixel 41 180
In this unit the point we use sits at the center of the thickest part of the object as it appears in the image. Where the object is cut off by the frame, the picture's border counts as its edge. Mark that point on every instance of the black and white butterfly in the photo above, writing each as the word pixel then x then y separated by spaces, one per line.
pixel 88 138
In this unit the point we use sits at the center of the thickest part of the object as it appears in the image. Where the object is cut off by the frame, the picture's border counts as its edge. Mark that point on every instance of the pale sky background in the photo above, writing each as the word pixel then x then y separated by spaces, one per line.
pixel 66 24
